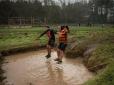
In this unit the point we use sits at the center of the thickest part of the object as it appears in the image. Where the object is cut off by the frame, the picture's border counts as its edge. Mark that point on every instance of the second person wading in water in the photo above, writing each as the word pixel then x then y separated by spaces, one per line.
pixel 63 34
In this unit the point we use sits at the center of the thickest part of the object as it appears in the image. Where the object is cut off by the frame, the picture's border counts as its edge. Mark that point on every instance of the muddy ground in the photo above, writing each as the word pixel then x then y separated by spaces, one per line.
pixel 32 68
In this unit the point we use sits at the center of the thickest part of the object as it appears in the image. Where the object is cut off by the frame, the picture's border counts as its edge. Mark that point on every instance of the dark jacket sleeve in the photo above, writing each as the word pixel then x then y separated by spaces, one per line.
pixel 44 33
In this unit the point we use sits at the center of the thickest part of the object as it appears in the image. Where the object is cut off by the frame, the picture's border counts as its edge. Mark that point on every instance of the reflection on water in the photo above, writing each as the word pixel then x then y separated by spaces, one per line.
pixel 32 69
pixel 57 76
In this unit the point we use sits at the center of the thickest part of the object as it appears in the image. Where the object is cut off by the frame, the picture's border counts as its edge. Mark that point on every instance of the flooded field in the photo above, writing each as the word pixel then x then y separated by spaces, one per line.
pixel 32 68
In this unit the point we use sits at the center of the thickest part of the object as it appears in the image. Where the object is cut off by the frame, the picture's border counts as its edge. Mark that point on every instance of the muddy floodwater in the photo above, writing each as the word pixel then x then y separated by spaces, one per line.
pixel 32 68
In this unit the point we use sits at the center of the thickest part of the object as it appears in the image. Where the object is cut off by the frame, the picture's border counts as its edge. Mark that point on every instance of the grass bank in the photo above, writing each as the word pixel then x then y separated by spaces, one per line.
pixel 97 49
pixel 13 39
pixel 26 37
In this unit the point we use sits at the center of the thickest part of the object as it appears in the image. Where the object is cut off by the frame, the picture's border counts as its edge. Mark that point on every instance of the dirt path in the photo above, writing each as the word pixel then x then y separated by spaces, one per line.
pixel 32 69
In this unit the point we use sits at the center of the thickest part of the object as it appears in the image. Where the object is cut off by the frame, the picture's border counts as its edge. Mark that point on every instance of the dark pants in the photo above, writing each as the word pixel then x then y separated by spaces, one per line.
pixel 51 43
pixel 62 46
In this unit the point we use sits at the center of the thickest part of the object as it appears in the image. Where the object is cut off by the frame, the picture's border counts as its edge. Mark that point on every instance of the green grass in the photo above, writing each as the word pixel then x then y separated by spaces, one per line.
pixel 24 37
pixel 104 54
pixel 102 58
pixel 15 38
pixel 106 77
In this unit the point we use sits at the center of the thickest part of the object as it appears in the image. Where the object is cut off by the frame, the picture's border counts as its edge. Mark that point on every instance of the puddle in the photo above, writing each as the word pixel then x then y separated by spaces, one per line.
pixel 33 69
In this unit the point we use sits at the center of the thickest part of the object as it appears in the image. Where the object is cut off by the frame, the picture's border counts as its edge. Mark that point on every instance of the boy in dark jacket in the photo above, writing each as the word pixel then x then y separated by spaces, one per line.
pixel 51 40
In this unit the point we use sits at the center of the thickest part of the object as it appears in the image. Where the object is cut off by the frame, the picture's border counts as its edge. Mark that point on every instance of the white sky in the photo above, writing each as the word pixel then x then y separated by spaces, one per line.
pixel 71 0
pixel 68 0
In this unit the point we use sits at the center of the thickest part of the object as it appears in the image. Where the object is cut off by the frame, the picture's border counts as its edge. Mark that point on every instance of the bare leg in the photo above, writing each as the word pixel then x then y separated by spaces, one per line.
pixel 49 50
pixel 61 55
pixel 58 53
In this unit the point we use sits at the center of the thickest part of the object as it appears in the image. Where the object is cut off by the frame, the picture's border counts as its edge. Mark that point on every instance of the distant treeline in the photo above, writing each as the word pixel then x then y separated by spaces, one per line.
pixel 102 11
pixel 49 11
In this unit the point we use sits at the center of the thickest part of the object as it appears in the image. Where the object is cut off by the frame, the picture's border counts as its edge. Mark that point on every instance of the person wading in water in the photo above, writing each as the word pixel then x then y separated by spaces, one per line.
pixel 51 40
pixel 62 43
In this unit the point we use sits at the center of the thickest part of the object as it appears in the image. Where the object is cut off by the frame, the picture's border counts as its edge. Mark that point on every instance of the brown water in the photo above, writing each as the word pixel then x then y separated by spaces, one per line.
pixel 33 69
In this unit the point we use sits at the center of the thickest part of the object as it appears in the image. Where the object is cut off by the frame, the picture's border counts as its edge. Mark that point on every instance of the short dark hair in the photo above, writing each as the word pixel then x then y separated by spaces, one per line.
pixel 62 27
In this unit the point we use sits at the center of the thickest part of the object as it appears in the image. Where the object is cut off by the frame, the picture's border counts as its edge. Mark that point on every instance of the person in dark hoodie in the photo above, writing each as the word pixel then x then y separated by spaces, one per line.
pixel 51 40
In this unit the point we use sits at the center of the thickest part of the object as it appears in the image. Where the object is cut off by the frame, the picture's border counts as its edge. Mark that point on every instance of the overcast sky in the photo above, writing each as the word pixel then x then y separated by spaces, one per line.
pixel 58 1
pixel 67 0
pixel 71 0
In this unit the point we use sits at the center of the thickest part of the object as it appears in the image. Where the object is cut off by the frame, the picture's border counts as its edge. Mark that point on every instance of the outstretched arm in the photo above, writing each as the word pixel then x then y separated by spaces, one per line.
pixel 43 33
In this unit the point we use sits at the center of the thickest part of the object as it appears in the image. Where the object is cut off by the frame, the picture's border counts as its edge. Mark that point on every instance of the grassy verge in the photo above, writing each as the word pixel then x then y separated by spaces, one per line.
pixel 101 61
pixel 17 38
pixel 97 49
pixel 24 37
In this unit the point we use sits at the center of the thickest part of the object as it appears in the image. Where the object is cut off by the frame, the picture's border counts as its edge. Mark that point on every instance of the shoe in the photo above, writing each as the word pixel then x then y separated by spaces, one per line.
pixel 59 62
pixel 47 56
pixel 57 59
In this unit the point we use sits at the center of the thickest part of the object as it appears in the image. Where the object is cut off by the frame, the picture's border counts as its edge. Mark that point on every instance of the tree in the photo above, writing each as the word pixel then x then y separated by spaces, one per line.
pixel 47 11
pixel 5 11
pixel 102 10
